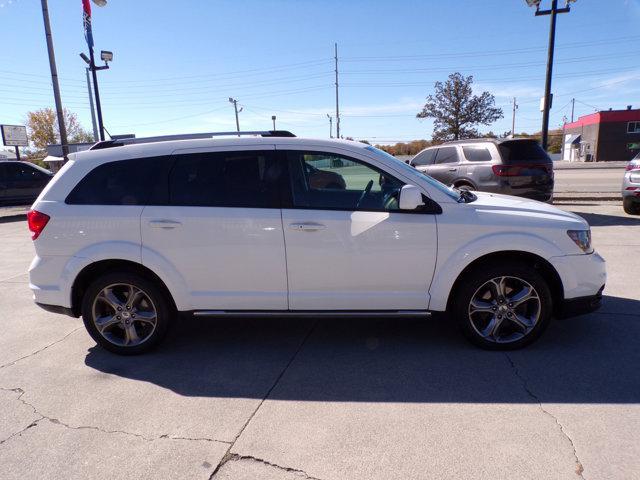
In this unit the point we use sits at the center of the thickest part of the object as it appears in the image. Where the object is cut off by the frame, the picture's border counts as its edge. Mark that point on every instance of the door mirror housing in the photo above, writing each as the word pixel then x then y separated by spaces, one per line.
pixel 410 198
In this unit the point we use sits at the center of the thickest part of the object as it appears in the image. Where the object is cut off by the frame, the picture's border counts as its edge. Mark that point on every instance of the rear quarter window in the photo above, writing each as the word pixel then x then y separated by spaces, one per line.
pixel 477 154
pixel 122 182
pixel 523 151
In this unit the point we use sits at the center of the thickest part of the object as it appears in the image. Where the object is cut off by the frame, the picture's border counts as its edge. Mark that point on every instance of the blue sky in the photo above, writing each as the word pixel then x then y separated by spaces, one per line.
pixel 176 63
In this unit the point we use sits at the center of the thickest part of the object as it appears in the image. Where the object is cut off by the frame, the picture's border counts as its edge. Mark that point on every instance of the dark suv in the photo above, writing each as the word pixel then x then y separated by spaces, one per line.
pixel 510 166
pixel 21 182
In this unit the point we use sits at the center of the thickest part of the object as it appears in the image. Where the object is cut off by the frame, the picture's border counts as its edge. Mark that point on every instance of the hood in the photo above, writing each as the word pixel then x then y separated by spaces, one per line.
pixel 524 208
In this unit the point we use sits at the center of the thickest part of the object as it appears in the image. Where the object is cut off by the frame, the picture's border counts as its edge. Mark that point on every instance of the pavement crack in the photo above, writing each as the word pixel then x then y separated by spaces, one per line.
pixel 525 385
pixel 59 422
pixel 234 457
pixel 228 455
pixel 13 362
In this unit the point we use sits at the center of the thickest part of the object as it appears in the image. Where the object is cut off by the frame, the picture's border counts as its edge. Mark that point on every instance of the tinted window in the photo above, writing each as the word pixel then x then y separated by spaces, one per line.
pixel 19 172
pixel 523 151
pixel 330 181
pixel 125 182
pixel 225 179
pixel 477 154
pixel 424 158
pixel 447 155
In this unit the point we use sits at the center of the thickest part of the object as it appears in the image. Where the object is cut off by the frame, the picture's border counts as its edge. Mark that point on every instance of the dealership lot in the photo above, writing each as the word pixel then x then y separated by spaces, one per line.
pixel 328 399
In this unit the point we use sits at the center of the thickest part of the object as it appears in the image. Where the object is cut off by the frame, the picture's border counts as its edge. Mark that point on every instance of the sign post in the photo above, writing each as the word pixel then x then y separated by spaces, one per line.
pixel 15 136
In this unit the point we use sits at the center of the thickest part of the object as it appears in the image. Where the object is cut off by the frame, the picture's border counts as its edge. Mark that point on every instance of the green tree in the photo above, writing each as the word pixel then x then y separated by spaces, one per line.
pixel 456 111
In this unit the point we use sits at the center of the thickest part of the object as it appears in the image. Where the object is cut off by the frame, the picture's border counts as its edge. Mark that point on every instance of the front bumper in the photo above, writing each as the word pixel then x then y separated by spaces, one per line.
pixel 582 276
pixel 579 306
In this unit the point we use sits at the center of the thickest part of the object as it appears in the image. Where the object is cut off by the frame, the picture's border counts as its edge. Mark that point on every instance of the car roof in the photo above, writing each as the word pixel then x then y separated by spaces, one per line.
pixel 168 147
pixel 495 141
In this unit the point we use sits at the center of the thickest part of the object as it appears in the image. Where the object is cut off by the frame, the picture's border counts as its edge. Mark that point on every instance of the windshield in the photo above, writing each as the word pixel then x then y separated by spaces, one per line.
pixel 450 192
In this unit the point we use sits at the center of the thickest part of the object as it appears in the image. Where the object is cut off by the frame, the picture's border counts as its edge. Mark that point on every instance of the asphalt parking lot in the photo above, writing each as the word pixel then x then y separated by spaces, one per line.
pixel 328 399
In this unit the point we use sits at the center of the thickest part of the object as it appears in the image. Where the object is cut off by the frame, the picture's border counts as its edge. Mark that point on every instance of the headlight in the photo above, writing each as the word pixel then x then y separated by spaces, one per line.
pixel 582 238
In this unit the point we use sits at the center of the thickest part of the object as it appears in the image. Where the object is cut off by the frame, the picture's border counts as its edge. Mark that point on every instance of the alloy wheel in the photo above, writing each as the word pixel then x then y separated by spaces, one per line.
pixel 504 309
pixel 124 314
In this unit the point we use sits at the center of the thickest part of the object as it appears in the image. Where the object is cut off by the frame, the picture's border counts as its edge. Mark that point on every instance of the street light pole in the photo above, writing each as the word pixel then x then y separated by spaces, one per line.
pixel 337 103
pixel 94 74
pixel 330 125
pixel 553 12
pixel 54 80
pixel 273 117
pixel 93 112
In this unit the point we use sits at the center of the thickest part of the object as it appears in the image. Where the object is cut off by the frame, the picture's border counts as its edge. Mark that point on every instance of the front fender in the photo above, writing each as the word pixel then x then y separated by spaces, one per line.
pixel 451 264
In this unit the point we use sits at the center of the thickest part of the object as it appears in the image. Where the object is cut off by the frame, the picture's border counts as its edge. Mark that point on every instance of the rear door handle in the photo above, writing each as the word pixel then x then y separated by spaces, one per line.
pixel 307 227
pixel 164 223
pixel 453 169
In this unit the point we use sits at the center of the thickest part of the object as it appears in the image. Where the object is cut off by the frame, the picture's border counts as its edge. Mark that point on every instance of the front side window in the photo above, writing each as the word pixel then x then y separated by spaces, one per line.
pixel 334 182
pixel 477 154
pixel 225 179
pixel 124 182
pixel 424 158
pixel 447 155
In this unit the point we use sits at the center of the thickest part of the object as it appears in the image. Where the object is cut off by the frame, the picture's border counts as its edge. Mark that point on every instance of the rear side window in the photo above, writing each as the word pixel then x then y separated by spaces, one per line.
pixel 477 154
pixel 123 182
pixel 424 158
pixel 447 155
pixel 225 179
pixel 523 151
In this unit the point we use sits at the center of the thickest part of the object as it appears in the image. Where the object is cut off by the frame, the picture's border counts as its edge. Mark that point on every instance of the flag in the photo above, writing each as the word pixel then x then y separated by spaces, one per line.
pixel 86 17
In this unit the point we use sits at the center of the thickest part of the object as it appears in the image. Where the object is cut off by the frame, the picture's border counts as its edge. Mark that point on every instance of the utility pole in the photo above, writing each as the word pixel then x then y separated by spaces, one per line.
pixel 273 117
pixel 54 80
pixel 235 107
pixel 93 112
pixel 553 12
pixel 573 108
pixel 330 125
pixel 513 119
pixel 337 103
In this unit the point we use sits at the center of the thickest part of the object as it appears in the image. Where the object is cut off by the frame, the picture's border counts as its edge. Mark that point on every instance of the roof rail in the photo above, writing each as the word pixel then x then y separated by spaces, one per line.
pixel 119 142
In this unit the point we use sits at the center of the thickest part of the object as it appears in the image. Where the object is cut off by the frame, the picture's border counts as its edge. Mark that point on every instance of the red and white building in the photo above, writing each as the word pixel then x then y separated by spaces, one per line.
pixel 612 135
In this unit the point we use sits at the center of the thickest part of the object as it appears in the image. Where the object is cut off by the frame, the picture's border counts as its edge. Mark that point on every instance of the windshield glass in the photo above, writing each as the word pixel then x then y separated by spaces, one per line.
pixel 412 171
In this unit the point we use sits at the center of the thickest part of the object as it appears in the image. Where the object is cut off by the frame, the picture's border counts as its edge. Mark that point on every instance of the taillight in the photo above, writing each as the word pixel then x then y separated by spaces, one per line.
pixel 36 221
pixel 633 166
pixel 518 170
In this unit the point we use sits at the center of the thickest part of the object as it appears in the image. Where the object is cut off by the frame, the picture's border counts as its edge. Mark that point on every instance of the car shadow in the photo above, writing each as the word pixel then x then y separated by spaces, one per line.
pixel 588 359
pixel 600 220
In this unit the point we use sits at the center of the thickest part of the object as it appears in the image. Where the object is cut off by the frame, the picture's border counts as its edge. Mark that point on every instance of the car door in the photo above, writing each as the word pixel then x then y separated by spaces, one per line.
pixel 349 247
pixel 30 181
pixel 446 165
pixel 424 160
pixel 221 229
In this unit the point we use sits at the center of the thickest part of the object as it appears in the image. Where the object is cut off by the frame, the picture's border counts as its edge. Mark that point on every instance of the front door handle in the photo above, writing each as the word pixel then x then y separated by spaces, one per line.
pixel 307 227
pixel 453 169
pixel 164 223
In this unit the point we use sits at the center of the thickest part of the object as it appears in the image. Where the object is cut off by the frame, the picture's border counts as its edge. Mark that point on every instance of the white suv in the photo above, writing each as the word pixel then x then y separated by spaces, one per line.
pixel 128 236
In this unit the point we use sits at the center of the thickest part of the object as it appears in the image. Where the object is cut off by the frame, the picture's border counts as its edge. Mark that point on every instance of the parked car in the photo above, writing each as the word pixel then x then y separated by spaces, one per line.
pixel 631 187
pixel 131 236
pixel 510 166
pixel 21 182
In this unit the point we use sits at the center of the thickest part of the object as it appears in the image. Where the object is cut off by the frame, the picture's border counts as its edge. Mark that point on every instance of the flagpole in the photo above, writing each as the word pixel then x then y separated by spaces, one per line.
pixel 86 6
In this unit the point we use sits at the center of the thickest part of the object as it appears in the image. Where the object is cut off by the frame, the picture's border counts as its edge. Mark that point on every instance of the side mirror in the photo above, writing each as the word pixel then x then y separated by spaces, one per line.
pixel 408 162
pixel 410 197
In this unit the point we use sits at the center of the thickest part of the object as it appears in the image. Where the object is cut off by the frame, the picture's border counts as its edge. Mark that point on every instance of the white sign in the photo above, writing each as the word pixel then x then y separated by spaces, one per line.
pixel 542 102
pixel 14 135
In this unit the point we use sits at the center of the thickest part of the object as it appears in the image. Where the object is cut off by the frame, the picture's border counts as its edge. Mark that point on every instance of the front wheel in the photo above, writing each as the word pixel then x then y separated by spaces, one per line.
pixel 125 313
pixel 503 307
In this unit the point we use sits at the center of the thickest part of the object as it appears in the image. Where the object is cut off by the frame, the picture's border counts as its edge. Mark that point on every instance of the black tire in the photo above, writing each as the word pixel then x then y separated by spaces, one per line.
pixel 631 206
pixel 152 300
pixel 470 323
pixel 465 186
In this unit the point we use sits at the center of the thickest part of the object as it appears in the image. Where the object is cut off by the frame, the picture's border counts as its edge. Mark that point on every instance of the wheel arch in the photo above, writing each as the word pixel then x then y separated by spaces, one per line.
pixel 465 181
pixel 94 270
pixel 545 268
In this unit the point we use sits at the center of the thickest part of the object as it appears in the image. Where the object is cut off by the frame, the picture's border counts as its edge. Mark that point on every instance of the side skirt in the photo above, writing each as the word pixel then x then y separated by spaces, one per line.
pixel 312 313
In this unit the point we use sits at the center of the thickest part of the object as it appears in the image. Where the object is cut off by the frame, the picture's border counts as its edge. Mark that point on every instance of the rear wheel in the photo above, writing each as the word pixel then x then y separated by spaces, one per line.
pixel 465 186
pixel 125 313
pixel 631 206
pixel 503 307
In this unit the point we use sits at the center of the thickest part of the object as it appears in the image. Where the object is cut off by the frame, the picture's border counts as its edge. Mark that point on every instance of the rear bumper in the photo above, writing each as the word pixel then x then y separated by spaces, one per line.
pixel 580 305
pixel 57 309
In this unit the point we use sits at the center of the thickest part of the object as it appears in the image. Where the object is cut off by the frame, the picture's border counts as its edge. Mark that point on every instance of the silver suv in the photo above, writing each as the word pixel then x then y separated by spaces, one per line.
pixel 511 166
pixel 631 187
